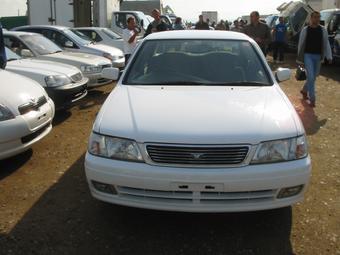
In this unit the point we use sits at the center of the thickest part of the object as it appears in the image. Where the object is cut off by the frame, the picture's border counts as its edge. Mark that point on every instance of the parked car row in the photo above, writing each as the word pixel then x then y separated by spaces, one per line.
pixel 48 68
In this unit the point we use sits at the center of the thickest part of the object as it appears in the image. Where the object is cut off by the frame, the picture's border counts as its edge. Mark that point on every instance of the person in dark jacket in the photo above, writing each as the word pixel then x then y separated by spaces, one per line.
pixel 157 25
pixel 259 31
pixel 3 58
pixel 201 25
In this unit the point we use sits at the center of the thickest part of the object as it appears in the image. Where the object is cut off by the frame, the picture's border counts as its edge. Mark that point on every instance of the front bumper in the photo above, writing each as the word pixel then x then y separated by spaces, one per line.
pixel 96 80
pixel 248 188
pixel 19 134
pixel 65 96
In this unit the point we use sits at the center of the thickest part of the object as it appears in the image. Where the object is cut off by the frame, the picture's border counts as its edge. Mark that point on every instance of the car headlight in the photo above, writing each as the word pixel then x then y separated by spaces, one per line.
pixel 114 148
pixel 281 150
pixel 90 69
pixel 5 113
pixel 108 55
pixel 57 80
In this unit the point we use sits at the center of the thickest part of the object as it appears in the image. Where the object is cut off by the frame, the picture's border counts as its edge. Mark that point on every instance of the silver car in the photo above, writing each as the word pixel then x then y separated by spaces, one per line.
pixel 32 45
pixel 71 40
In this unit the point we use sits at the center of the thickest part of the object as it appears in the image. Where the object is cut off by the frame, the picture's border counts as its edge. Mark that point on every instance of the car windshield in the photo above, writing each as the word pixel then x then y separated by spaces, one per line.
pixel 40 44
pixel 197 62
pixel 110 34
pixel 11 55
pixel 77 36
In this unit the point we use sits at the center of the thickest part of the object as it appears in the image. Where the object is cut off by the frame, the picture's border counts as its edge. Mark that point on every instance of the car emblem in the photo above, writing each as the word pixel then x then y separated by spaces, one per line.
pixel 197 155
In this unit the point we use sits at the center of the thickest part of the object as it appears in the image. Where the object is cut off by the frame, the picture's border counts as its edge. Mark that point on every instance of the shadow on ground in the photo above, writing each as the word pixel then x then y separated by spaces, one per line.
pixel 310 121
pixel 12 164
pixel 67 220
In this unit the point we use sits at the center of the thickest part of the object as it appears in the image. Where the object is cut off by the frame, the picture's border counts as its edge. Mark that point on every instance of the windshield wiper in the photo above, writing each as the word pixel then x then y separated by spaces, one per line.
pixel 11 59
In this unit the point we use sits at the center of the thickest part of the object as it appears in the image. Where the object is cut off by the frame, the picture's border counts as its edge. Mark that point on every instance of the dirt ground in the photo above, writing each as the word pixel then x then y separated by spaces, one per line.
pixel 46 207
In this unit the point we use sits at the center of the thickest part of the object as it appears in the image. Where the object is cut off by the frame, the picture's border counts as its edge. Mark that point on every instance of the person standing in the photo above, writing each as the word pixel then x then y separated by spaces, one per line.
pixel 313 48
pixel 178 24
pixel 130 38
pixel 201 25
pixel 158 25
pixel 280 36
pixel 236 27
pixel 259 31
pixel 3 58
pixel 220 26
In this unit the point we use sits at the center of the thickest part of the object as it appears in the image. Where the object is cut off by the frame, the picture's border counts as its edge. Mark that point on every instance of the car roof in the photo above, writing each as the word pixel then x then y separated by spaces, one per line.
pixel 93 28
pixel 18 33
pixel 330 10
pixel 198 34
pixel 44 26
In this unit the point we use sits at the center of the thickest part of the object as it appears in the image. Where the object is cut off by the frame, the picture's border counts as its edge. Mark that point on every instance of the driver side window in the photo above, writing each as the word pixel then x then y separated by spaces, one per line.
pixel 60 39
pixel 16 45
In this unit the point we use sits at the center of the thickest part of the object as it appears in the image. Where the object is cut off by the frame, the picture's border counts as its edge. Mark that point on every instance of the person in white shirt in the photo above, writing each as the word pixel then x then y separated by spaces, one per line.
pixel 130 38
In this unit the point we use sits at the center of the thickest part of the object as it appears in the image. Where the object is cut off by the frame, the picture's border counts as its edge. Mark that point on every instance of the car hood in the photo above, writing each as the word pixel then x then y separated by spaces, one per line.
pixel 198 115
pixel 105 48
pixel 77 58
pixel 17 90
pixel 41 67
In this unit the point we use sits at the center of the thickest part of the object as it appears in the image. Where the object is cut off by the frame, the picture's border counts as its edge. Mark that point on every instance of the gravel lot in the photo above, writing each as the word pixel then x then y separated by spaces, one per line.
pixel 46 207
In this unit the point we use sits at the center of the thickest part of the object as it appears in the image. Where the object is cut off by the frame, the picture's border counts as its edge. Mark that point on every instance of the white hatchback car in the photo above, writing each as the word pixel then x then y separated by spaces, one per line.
pixel 26 113
pixel 198 123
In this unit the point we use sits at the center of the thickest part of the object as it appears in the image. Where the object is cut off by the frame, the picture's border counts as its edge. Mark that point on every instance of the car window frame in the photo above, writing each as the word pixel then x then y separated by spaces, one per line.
pixel 23 43
pixel 142 45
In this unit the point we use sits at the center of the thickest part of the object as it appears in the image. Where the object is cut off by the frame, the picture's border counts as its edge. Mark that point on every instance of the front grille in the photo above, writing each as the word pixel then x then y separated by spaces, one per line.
pixel 31 137
pixel 106 66
pixel 188 197
pixel 102 80
pixel 34 105
pixel 183 155
pixel 77 77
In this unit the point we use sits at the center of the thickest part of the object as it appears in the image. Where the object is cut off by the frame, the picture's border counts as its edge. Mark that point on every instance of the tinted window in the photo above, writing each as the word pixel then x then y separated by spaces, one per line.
pixel 208 62
pixel 298 19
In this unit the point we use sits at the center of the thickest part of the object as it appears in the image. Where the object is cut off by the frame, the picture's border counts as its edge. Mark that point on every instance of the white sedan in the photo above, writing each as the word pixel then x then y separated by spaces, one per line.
pixel 198 123
pixel 65 84
pixel 102 35
pixel 36 46
pixel 26 113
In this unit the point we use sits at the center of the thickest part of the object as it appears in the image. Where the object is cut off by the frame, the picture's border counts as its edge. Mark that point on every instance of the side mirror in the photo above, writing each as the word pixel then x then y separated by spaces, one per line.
pixel 283 74
pixel 26 53
pixel 69 44
pixel 110 73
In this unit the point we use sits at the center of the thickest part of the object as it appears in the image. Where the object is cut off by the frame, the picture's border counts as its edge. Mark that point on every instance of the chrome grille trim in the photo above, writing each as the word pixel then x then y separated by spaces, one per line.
pixel 33 105
pixel 188 197
pixel 77 77
pixel 193 155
